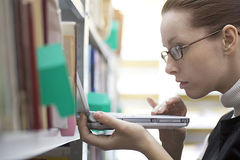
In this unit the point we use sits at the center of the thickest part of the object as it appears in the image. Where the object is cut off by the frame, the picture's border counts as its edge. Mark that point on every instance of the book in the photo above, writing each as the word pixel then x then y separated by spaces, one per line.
pixel 37 119
pixel 70 130
pixel 52 20
pixel 52 67
pixel 22 94
pixel 69 41
pixel 30 110
pixel 98 71
pixel 39 42
pixel 52 34
pixel 9 87
pixel 2 100
pixel 31 24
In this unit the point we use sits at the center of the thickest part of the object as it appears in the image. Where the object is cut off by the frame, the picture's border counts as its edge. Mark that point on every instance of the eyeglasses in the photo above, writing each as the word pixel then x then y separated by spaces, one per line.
pixel 177 51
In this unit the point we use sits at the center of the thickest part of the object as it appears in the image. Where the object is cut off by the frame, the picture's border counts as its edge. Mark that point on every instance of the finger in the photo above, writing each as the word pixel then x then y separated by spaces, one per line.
pixel 82 125
pixel 162 110
pixel 108 142
pixel 173 100
pixel 176 106
pixel 109 120
pixel 151 102
pixel 88 137
pixel 157 109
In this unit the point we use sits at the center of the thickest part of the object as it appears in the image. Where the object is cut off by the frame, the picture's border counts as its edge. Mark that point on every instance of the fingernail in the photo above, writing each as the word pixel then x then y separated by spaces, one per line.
pixel 156 108
pixel 81 116
pixel 153 113
pixel 159 112
pixel 148 99
pixel 98 115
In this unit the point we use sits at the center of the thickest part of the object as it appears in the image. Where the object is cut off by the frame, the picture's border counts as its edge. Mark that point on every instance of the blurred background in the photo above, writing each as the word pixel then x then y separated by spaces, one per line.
pixel 112 47
pixel 141 74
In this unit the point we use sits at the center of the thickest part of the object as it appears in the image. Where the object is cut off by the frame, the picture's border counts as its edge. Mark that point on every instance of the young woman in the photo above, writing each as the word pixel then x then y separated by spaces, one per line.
pixel 203 53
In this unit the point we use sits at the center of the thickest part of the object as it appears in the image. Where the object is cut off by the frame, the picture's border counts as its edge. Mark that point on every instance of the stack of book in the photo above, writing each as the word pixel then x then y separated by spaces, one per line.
pixel 98 71
pixel 33 38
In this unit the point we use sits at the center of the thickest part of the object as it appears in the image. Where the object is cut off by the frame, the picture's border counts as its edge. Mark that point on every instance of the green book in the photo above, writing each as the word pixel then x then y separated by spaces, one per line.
pixel 55 85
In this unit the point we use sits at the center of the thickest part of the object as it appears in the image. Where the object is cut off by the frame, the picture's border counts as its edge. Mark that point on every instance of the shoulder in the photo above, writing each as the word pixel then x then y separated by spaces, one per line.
pixel 230 141
pixel 215 134
pixel 227 116
pixel 231 147
pixel 224 141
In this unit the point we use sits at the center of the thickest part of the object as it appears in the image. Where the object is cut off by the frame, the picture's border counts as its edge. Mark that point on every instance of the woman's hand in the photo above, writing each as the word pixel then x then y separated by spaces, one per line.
pixel 172 139
pixel 126 136
pixel 173 106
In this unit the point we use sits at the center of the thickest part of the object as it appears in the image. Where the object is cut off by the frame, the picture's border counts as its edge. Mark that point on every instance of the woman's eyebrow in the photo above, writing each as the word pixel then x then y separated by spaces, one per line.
pixel 170 41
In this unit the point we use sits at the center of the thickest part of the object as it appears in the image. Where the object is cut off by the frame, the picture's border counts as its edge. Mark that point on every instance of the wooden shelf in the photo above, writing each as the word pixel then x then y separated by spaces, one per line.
pixel 27 144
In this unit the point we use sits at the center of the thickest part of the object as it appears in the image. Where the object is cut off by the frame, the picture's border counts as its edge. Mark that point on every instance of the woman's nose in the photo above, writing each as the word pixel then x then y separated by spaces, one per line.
pixel 171 67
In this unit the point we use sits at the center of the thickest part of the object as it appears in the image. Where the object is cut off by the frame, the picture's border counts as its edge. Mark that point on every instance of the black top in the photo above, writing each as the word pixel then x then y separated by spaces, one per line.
pixel 224 141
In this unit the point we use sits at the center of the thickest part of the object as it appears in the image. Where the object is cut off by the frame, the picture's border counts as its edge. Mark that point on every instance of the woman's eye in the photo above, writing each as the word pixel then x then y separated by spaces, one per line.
pixel 179 44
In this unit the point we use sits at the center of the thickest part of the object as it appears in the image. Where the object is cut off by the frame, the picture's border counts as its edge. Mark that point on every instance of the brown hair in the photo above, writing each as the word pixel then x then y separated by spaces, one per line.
pixel 213 14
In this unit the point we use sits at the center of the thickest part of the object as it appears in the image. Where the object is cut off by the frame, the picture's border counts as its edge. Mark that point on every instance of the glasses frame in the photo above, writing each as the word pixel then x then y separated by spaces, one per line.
pixel 180 48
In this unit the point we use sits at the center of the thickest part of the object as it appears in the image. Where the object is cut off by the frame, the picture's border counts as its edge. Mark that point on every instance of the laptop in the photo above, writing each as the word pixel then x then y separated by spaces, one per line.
pixel 147 121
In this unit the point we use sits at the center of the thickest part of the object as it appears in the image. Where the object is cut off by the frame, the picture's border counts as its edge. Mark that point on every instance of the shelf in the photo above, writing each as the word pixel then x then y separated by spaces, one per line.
pixel 79 6
pixel 25 144
pixel 73 9
pixel 97 42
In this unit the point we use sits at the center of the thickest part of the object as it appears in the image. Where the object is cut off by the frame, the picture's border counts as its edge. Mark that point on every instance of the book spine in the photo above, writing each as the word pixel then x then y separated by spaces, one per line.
pixel 9 86
pixel 35 86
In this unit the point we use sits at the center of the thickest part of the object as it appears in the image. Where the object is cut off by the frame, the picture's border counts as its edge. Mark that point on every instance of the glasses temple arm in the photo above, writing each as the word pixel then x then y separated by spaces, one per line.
pixel 209 35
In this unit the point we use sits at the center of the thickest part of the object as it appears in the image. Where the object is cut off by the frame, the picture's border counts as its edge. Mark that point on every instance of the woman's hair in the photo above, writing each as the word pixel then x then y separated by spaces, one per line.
pixel 212 14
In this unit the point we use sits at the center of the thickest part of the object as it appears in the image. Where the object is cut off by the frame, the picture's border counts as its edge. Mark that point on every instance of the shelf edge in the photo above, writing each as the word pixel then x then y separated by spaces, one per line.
pixel 27 144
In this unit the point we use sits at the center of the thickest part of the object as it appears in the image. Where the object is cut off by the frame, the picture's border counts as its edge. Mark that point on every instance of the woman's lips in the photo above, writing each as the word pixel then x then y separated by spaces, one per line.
pixel 183 85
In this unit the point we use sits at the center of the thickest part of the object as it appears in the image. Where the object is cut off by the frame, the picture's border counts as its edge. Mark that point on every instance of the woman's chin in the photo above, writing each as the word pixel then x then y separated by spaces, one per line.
pixel 195 94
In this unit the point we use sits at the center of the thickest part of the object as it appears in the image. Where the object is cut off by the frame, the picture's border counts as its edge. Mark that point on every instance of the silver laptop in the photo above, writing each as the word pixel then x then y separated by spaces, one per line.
pixel 147 121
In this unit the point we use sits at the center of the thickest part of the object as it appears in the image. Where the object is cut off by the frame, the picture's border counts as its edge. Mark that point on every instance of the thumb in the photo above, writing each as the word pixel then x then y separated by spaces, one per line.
pixel 151 102
pixel 108 120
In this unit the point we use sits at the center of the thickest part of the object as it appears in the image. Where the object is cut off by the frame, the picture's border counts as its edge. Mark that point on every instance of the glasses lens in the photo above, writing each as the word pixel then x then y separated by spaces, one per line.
pixel 176 52
pixel 164 55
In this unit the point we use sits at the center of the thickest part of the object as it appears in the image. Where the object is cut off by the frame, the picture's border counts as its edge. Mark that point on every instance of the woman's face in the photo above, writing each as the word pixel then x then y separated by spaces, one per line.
pixel 202 69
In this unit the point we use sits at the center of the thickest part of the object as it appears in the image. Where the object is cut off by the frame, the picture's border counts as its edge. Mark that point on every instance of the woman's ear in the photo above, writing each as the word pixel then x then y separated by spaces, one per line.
pixel 229 39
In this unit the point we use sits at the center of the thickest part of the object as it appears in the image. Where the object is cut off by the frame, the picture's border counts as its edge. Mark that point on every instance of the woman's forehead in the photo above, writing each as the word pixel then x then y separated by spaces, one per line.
pixel 175 23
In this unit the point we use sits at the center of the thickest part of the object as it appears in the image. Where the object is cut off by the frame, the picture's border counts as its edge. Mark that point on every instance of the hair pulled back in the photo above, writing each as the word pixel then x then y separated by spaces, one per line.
pixel 212 14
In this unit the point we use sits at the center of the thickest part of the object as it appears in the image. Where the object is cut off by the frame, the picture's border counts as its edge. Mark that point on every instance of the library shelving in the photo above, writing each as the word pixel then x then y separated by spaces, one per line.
pixel 91 44
pixel 91 41
pixel 17 142
pixel 25 144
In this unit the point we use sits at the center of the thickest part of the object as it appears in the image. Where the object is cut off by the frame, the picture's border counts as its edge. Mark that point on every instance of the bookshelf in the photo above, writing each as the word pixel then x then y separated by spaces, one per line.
pixel 98 43
pixel 89 40
pixel 28 143
pixel 22 141
pixel 74 10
